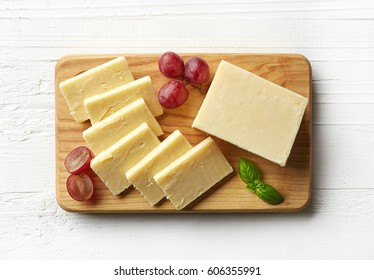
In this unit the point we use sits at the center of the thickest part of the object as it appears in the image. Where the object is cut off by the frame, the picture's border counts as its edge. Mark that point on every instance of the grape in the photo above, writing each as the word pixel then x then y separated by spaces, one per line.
pixel 171 65
pixel 80 186
pixel 173 94
pixel 78 160
pixel 196 71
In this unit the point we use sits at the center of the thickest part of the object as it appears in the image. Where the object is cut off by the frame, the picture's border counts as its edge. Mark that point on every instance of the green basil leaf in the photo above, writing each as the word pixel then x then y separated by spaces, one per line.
pixel 248 171
pixel 255 184
pixel 251 187
pixel 268 194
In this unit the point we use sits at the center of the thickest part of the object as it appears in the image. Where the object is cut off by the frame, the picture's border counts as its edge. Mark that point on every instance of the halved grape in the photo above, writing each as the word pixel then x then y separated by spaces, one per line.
pixel 80 186
pixel 171 64
pixel 78 160
pixel 173 94
pixel 196 71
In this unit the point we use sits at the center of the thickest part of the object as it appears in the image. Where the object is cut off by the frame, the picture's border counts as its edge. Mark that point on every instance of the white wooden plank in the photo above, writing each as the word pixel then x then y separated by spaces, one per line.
pixel 256 9
pixel 314 53
pixel 39 229
pixel 336 113
pixel 187 30
pixel 342 156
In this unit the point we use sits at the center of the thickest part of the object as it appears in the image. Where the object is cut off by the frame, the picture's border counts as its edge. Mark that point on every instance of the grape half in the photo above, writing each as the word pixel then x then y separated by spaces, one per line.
pixel 171 65
pixel 80 186
pixel 196 71
pixel 173 94
pixel 78 160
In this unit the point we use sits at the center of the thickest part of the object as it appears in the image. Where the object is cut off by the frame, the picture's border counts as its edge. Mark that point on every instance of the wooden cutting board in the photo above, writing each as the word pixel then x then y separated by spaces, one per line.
pixel 230 195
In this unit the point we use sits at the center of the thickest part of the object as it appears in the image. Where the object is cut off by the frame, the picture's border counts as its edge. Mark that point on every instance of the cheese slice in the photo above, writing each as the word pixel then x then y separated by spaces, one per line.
pixel 252 113
pixel 94 81
pixel 112 164
pixel 105 133
pixel 141 175
pixel 192 174
pixel 103 105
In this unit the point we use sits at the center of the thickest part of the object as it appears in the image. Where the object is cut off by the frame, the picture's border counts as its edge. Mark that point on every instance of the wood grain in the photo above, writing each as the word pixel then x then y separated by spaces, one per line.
pixel 230 195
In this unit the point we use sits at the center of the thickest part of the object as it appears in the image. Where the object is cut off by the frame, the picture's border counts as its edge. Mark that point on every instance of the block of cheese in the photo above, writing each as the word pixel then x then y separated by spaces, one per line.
pixel 251 113
pixel 192 174
pixel 141 175
pixel 105 133
pixel 112 164
pixel 103 105
pixel 94 81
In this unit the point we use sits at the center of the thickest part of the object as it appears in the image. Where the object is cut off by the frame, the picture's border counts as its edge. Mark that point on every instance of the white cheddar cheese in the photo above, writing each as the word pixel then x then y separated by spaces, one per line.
pixel 141 175
pixel 94 81
pixel 192 174
pixel 252 113
pixel 105 133
pixel 103 105
pixel 112 164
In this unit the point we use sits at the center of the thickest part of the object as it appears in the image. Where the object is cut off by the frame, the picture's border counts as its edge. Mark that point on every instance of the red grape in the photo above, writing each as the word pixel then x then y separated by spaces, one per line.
pixel 196 71
pixel 173 94
pixel 171 65
pixel 78 160
pixel 80 186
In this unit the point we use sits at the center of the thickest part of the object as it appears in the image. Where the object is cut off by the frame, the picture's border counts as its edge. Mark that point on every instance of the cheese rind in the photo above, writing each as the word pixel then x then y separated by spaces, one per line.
pixel 94 81
pixel 112 164
pixel 141 175
pixel 105 133
pixel 103 105
pixel 192 174
pixel 251 113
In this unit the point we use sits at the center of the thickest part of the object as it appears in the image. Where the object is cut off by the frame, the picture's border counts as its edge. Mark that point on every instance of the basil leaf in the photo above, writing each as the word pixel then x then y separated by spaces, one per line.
pixel 250 174
pixel 248 171
pixel 255 184
pixel 268 194
pixel 251 187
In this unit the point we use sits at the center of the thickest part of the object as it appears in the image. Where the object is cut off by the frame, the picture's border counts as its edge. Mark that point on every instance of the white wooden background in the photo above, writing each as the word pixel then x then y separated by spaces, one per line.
pixel 337 37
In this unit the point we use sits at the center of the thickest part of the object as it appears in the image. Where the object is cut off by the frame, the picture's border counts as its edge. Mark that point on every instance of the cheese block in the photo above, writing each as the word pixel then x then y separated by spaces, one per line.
pixel 251 113
pixel 192 174
pixel 112 164
pixel 105 133
pixel 103 105
pixel 94 81
pixel 141 175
